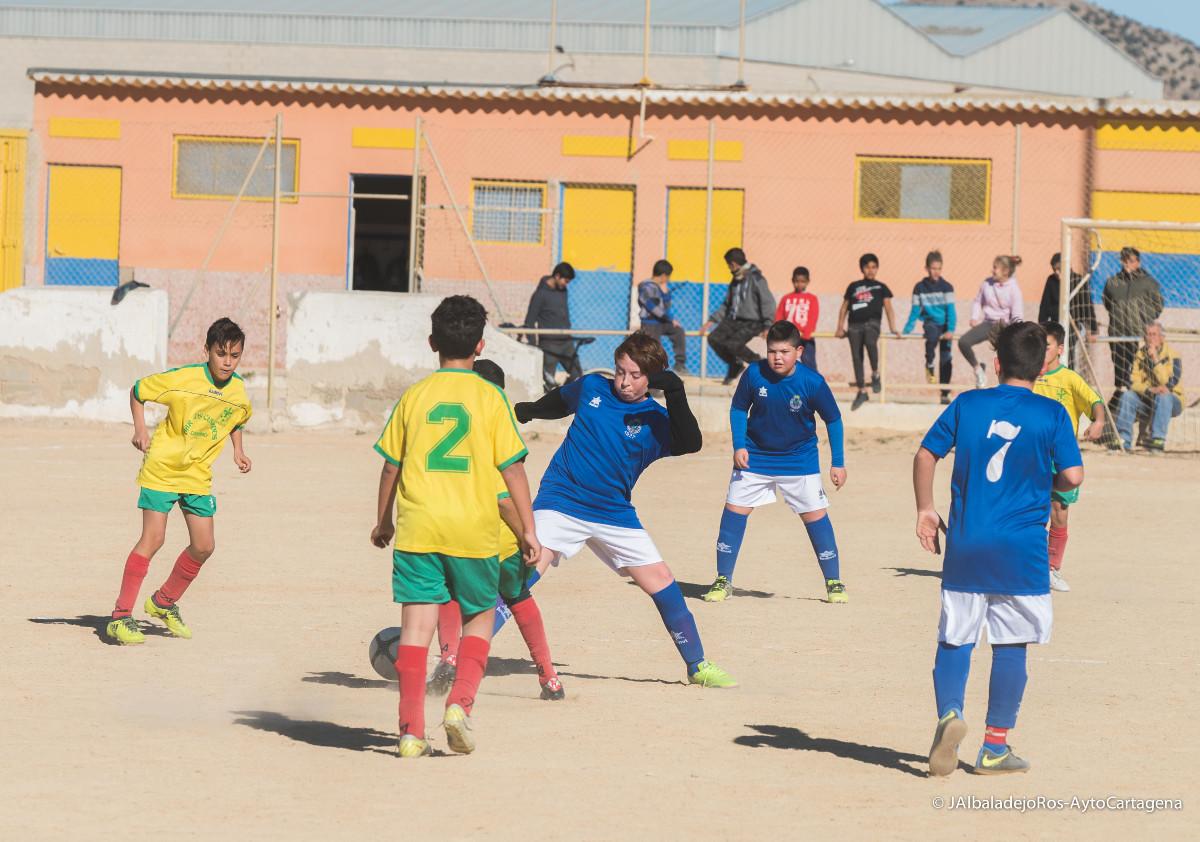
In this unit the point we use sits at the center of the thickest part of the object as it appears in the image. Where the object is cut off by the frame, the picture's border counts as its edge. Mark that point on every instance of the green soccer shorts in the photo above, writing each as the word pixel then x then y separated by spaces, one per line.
pixel 438 578
pixel 203 505
pixel 1066 498
pixel 514 573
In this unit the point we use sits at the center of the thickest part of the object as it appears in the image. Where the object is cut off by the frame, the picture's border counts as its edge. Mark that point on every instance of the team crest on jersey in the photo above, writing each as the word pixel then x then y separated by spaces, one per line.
pixel 762 391
pixel 594 402
pixel 633 426
pixel 796 402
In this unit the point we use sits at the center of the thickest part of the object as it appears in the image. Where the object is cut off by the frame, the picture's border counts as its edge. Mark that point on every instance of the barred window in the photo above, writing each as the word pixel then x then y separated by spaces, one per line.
pixel 923 189
pixel 216 167
pixel 507 211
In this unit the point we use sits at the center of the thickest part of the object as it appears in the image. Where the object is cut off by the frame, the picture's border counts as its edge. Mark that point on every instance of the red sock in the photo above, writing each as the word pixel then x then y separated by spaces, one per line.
pixel 410 665
pixel 1057 545
pixel 131 582
pixel 472 661
pixel 529 621
pixel 995 739
pixel 449 629
pixel 182 574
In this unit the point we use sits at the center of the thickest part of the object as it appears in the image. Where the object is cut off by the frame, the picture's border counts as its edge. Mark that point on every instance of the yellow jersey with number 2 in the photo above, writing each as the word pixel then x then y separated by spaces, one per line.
pixel 449 434
pixel 200 416
pixel 1072 391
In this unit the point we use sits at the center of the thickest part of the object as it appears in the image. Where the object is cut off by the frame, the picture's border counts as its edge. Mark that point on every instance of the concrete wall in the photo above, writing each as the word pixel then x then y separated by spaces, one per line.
pixel 352 354
pixel 69 353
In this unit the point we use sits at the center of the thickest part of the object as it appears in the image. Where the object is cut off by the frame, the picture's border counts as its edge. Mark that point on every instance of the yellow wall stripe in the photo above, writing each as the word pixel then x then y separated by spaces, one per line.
pixel 598 147
pixel 1153 207
pixel 372 138
pixel 697 150
pixel 86 127
pixel 1149 134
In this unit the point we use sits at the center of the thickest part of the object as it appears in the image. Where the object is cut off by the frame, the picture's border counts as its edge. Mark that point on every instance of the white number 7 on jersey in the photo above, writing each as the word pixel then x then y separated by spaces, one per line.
pixel 1006 431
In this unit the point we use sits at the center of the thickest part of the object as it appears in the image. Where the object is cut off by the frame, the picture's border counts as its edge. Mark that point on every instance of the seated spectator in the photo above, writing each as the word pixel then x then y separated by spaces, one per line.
pixel 654 310
pixel 1155 390
pixel 747 311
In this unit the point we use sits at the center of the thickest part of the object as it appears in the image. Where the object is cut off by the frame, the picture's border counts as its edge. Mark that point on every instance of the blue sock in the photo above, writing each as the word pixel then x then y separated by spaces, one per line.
pixel 1007 686
pixel 950 670
pixel 820 532
pixel 502 613
pixel 681 624
pixel 729 541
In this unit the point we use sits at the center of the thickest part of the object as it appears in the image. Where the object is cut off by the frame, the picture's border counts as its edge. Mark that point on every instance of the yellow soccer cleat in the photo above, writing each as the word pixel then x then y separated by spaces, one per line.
pixel 709 674
pixel 835 591
pixel 413 746
pixel 458 730
pixel 170 616
pixel 125 631
pixel 720 590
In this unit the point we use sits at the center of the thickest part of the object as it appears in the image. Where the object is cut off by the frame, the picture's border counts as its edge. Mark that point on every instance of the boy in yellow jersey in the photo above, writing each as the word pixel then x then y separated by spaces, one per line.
pixel 442 446
pixel 206 404
pixel 1078 398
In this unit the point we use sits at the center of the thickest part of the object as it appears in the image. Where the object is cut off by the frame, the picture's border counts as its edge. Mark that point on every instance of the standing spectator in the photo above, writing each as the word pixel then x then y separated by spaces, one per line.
pixel 1133 300
pixel 865 302
pixel 1155 390
pixel 747 311
pixel 654 310
pixel 801 308
pixel 1082 311
pixel 548 309
pixel 933 305
pixel 999 300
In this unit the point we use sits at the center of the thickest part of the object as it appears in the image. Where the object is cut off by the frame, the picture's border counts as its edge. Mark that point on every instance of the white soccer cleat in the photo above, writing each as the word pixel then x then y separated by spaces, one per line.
pixel 1056 581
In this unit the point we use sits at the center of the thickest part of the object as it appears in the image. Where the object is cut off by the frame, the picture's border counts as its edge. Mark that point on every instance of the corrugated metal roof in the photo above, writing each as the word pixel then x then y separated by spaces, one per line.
pixel 962 30
pixel 1030 105
pixel 697 12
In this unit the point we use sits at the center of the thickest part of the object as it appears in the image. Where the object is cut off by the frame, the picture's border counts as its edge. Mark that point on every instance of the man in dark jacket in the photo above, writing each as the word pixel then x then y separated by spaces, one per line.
pixel 548 309
pixel 747 311
pixel 1133 300
pixel 1082 311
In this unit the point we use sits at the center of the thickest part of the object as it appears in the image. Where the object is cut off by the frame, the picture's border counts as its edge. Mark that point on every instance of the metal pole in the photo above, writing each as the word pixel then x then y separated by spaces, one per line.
pixel 550 60
pixel 741 79
pixel 708 203
pixel 646 56
pixel 1064 286
pixel 418 195
pixel 1016 190
pixel 274 264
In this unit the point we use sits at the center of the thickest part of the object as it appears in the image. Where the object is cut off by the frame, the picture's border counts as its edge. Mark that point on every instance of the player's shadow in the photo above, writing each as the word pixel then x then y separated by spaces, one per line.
pixel 521 666
pixel 780 736
pixel 318 733
pixel 915 571
pixel 345 679
pixel 694 591
pixel 99 625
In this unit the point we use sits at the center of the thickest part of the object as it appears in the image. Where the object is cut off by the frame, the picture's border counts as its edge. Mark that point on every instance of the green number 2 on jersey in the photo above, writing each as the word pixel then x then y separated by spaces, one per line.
pixel 439 458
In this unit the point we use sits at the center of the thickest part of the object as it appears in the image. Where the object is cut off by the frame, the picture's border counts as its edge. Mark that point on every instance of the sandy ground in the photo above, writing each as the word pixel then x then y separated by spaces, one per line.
pixel 271 724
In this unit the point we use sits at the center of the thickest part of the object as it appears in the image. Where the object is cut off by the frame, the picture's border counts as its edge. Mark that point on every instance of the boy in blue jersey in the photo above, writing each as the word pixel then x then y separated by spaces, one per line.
pixel 617 432
pixel 1007 442
pixel 775 447
pixel 933 306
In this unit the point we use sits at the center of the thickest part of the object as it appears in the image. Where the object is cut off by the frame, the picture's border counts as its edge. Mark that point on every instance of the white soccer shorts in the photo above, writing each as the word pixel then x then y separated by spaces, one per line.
pixel 617 546
pixel 803 494
pixel 1008 619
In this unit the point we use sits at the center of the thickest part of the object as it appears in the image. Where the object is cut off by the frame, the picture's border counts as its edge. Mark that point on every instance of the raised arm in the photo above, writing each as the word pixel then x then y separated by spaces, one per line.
pixel 548 407
pixel 685 430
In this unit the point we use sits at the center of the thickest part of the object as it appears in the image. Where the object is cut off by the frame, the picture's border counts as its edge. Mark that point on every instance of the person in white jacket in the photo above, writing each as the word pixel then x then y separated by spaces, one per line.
pixel 999 300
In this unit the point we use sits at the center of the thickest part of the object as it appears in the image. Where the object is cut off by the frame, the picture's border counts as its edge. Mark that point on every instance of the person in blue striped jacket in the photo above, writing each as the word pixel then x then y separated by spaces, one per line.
pixel 933 305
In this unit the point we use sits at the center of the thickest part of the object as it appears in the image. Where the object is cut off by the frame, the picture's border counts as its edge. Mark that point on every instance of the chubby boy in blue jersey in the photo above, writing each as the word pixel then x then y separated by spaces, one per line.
pixel 584 498
pixel 1007 442
pixel 775 447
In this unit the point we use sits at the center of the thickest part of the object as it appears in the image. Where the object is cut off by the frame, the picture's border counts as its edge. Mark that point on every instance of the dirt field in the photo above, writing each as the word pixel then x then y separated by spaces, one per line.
pixel 270 723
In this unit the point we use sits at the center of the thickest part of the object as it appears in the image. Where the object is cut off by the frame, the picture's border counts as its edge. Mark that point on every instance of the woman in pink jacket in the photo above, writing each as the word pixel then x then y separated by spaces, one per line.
pixel 999 300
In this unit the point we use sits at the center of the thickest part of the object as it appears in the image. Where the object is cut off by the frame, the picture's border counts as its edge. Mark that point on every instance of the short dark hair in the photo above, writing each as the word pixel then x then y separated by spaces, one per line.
pixel 1056 330
pixel 934 256
pixel 565 271
pixel 224 333
pixel 736 255
pixel 867 258
pixel 489 371
pixel 800 270
pixel 1055 258
pixel 645 350
pixel 457 326
pixel 1021 349
pixel 784 331
pixel 662 267
pixel 1130 251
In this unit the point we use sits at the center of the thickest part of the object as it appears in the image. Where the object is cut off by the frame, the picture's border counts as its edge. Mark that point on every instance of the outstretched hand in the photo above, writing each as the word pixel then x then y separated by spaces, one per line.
pixel 521 410
pixel 928 525
pixel 665 380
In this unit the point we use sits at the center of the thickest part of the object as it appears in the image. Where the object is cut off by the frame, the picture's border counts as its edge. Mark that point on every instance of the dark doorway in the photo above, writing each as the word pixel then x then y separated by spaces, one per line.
pixel 380 233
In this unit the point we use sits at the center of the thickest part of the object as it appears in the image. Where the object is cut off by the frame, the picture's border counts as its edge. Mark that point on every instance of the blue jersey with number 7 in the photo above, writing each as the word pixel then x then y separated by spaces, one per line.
pixel 1004 441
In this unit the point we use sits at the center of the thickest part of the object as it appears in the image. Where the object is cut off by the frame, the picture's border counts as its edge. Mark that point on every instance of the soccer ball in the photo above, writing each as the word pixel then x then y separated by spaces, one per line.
pixel 382 653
